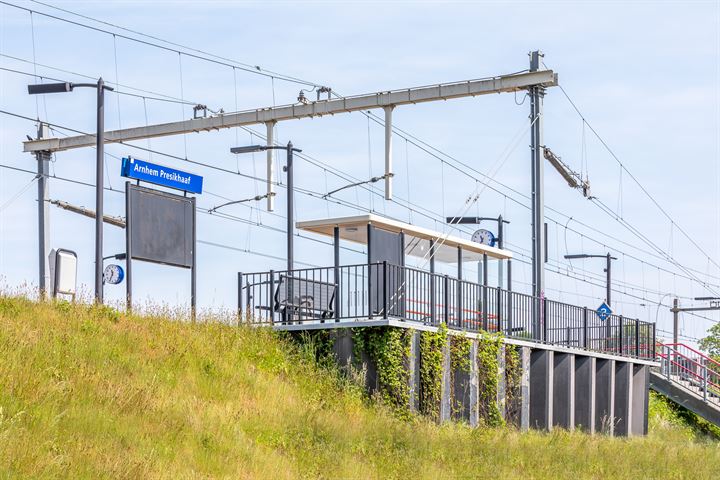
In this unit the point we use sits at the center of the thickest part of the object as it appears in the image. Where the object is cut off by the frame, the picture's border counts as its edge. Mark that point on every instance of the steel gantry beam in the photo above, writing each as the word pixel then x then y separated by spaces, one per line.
pixel 444 91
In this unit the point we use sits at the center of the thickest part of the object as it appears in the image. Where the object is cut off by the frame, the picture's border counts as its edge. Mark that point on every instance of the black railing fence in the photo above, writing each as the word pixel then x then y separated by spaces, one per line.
pixel 384 290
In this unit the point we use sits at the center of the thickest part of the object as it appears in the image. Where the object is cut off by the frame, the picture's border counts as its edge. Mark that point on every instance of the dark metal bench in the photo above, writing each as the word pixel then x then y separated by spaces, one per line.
pixel 300 299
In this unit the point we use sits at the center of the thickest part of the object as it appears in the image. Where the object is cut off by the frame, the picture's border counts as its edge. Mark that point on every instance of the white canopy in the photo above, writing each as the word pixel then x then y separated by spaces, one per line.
pixel 446 246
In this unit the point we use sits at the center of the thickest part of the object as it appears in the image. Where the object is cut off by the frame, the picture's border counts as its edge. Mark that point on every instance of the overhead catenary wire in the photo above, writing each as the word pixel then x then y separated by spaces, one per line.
pixel 188 51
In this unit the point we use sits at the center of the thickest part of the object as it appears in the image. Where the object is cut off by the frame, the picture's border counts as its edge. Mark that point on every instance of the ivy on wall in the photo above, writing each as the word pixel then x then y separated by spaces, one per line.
pixel 389 349
pixel 513 375
pixel 431 371
pixel 460 362
pixel 489 379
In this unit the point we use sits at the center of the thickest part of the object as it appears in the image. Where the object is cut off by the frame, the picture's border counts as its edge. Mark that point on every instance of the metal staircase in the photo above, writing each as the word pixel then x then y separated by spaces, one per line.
pixel 689 378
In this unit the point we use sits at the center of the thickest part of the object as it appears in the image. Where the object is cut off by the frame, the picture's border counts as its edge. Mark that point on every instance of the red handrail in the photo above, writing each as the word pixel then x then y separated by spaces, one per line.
pixel 701 354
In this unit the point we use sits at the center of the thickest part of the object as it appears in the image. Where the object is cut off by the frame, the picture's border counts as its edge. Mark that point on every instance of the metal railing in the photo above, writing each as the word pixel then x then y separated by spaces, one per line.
pixel 384 290
pixel 692 370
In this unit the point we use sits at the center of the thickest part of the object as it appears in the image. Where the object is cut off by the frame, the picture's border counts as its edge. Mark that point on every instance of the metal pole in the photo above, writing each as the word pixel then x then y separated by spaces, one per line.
pixel 99 185
pixel 270 173
pixel 432 281
pixel 128 250
pixel 608 280
pixel 43 172
pixel 336 255
pixel 193 270
pixel 290 211
pixel 501 241
pixel 459 290
pixel 676 312
pixel 240 297
pixel 485 293
pixel 538 215
pixel 388 153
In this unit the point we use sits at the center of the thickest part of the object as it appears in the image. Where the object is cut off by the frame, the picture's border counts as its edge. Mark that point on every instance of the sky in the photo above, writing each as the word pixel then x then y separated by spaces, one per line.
pixel 644 76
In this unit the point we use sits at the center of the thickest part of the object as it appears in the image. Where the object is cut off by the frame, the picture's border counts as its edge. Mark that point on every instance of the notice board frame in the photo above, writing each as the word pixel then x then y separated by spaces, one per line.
pixel 129 188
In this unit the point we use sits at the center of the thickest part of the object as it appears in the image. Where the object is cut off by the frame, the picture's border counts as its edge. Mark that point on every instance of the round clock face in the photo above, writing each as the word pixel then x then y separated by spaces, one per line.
pixel 484 237
pixel 113 274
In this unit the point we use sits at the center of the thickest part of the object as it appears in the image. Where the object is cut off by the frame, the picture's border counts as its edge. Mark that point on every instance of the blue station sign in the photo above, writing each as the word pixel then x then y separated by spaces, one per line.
pixel 161 175
pixel 603 312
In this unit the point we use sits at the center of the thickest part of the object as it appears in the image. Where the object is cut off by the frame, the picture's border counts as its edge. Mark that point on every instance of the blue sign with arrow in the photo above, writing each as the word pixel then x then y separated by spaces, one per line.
pixel 161 175
pixel 603 311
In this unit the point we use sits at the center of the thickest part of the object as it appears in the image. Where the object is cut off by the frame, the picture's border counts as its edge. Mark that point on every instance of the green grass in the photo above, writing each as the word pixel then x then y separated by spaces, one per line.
pixel 89 393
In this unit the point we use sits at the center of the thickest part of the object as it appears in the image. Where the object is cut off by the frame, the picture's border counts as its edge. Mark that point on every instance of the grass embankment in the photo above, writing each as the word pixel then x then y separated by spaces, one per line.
pixel 85 392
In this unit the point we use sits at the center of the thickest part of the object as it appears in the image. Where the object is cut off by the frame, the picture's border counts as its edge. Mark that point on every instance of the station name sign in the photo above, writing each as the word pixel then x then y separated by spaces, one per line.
pixel 161 175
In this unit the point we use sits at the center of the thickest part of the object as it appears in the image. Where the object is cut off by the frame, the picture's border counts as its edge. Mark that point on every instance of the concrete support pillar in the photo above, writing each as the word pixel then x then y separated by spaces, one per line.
pixel 413 366
pixel 585 393
pixel 445 396
pixel 474 385
pixel 623 398
pixel 525 354
pixel 461 404
pixel 502 383
pixel 541 389
pixel 640 399
pixel 605 395
pixel 564 390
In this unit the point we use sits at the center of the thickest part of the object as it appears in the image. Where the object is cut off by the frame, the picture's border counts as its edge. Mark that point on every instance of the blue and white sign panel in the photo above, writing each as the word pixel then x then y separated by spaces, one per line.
pixel 160 175
pixel 603 311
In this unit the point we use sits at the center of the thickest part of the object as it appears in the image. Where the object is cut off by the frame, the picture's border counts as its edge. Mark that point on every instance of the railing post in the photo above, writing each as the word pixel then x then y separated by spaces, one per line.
pixel 705 381
pixel 485 293
pixel 240 298
pixel 620 334
pixel 459 296
pixel 654 341
pixel 666 359
pixel 369 285
pixel 637 338
pixel 509 313
pixel 336 271
pixel 432 298
pixel 446 299
pixel 271 284
pixel 544 318
pixel 585 328
pixel 498 310
pixel 385 290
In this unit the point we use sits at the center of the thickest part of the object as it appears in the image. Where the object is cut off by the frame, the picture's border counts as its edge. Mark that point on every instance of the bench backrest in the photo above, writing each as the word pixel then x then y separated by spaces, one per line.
pixel 307 295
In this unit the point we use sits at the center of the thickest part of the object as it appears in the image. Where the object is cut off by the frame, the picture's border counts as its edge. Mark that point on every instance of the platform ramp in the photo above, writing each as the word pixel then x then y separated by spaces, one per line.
pixel 690 379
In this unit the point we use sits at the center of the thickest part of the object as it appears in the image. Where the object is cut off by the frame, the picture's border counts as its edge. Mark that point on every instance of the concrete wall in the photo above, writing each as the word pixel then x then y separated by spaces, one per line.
pixel 558 389
pixel 585 384
pixel 541 389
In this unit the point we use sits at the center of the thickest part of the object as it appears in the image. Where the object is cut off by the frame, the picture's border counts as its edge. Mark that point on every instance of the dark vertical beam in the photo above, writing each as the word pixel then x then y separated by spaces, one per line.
pixel 241 308
pixel 485 292
pixel 537 204
pixel 370 269
pixel 290 208
pixel 128 249
pixel 432 281
pixel 336 255
pixel 459 289
pixel 99 185
pixel 193 270
pixel 43 172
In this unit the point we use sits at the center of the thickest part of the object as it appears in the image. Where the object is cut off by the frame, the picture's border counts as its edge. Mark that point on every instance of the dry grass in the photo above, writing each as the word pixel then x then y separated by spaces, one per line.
pixel 88 393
